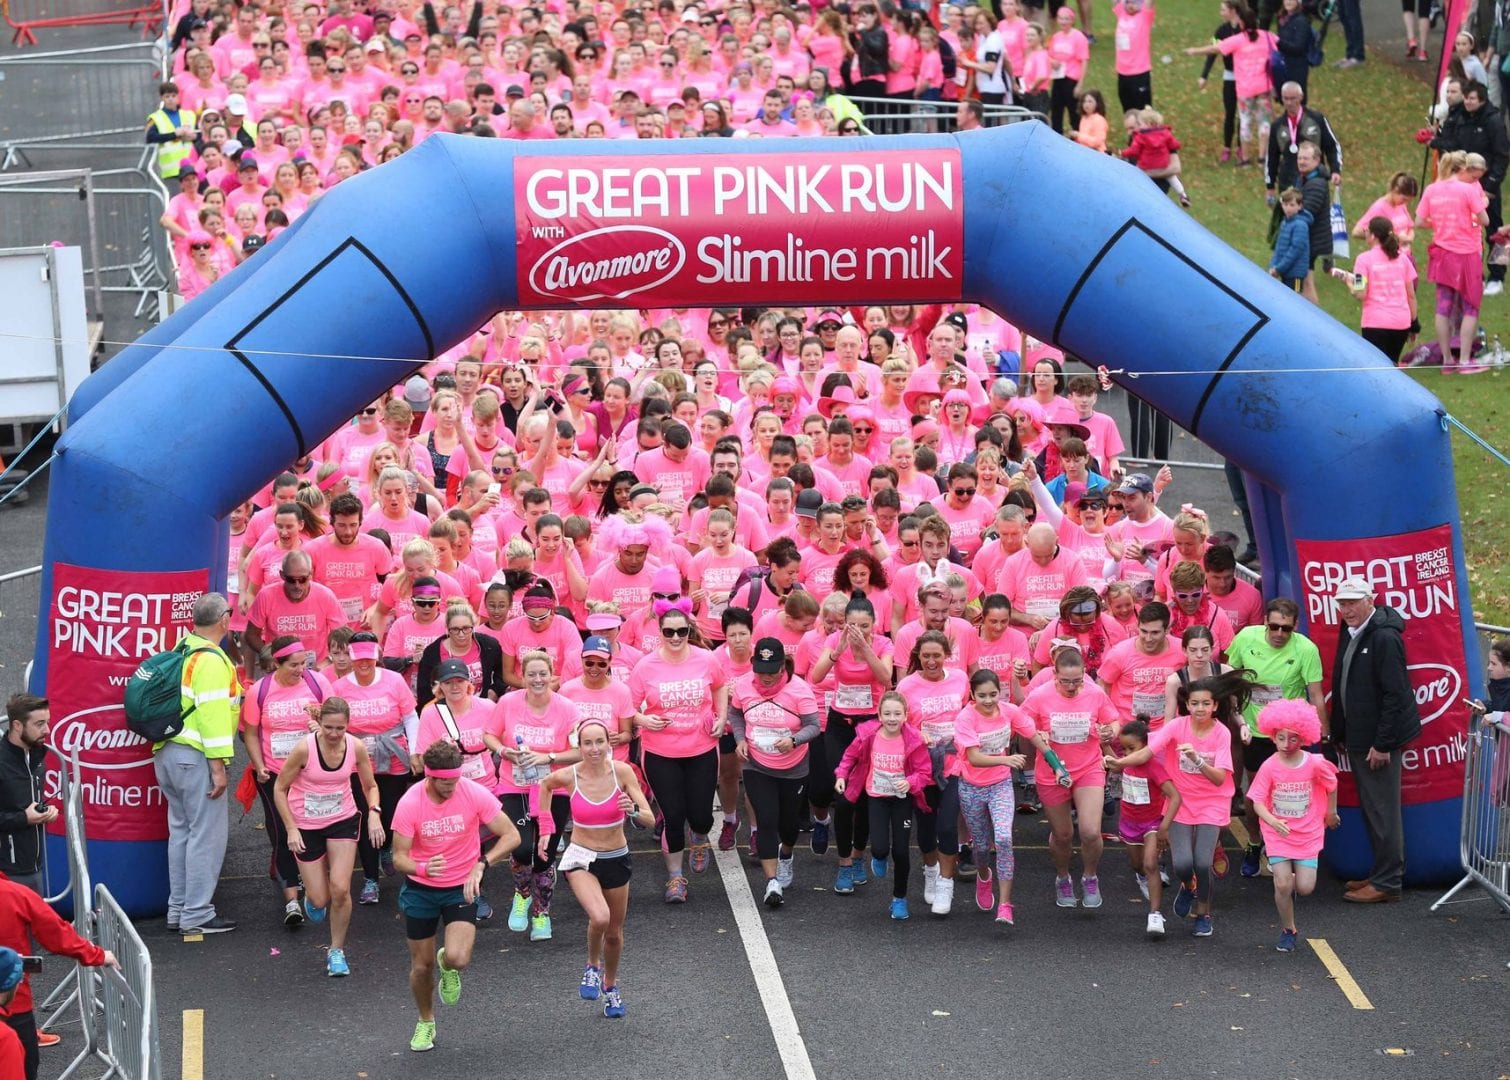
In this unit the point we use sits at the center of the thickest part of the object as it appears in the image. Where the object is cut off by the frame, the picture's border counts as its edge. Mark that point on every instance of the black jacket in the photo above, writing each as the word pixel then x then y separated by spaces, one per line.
pixel 21 785
pixel 1481 132
pixel 1317 194
pixel 489 652
pixel 1377 707
pixel 873 50
pixel 1279 166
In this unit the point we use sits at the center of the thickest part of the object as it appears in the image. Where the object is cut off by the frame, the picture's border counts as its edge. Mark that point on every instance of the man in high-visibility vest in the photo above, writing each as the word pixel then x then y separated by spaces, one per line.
pixel 172 130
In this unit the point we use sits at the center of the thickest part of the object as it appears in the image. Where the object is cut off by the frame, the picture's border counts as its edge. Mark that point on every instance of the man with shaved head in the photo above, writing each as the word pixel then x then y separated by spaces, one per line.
pixel 1037 576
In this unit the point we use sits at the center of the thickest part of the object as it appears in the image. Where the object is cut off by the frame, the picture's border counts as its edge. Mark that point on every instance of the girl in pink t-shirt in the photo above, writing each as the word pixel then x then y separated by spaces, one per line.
pixel 1385 280
pixel 1288 795
pixel 716 569
pixel 1455 212
pixel 1149 803
pixel 1249 49
pixel 983 733
pixel 1069 52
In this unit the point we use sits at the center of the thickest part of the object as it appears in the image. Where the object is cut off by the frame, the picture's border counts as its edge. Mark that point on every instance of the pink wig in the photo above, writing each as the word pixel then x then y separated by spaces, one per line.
pixel 616 532
pixel 1298 716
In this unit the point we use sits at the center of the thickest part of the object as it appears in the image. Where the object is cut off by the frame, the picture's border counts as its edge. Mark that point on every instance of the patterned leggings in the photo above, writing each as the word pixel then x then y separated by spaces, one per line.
pixel 996 803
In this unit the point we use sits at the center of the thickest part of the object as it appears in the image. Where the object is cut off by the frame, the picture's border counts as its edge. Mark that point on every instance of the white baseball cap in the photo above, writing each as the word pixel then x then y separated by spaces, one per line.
pixel 1354 588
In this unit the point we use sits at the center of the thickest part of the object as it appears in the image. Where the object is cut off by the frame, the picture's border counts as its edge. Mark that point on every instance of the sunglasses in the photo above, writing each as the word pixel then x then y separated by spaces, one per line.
pixel 199 247
pixel 503 470
pixel 675 632
pixel 598 485
pixel 427 603
pixel 867 431
pixel 296 580
pixel 1118 507
pixel 371 410
pixel 458 630
pixel 964 493
pixel 1280 628
pixel 910 543
pixel 336 71
pixel 668 63
pixel 717 324
pixel 1190 595
pixel 594 663
pixel 850 130
pixel 1084 506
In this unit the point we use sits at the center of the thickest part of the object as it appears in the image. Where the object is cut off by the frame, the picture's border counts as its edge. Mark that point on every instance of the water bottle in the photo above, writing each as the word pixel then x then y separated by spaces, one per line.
pixel 1497 353
pixel 528 774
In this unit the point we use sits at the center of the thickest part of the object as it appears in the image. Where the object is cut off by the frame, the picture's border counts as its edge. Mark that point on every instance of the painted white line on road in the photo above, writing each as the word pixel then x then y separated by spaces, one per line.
pixel 778 1009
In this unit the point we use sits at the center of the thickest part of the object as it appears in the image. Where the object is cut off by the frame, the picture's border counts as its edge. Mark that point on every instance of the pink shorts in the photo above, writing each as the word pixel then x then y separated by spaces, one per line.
pixel 1053 793
pixel 1458 272
pixel 1135 832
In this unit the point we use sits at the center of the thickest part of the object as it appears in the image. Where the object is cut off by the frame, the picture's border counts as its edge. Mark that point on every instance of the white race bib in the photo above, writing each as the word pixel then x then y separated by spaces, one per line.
pixel 1149 705
pixel 765 739
pixel 995 742
pixel 1135 790
pixel 1292 804
pixel 475 767
pixel 525 775
pixel 888 781
pixel 1046 606
pixel 282 743
pixel 1069 728
pixel 370 742
pixel 352 607
pixel 323 804
pixel 1263 694
pixel 1124 41
pixel 854 698
pixel 937 731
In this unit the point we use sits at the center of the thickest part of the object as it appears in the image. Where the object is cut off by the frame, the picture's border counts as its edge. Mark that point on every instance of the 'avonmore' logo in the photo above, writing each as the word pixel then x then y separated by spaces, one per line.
pixel 642 258
pixel 99 746
pixel 1437 687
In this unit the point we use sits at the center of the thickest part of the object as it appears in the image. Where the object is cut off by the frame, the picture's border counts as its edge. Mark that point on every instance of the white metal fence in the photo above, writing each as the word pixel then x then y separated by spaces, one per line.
pixel 1485 835
pixel 110 91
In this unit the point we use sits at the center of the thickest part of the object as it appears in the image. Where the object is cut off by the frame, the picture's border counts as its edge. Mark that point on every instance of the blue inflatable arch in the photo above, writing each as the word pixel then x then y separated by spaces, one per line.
pixel 209 405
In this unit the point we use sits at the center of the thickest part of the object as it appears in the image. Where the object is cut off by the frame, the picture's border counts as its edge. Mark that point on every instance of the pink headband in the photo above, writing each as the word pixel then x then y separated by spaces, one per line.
pixel 426 590
pixel 293 648
pixel 684 605
pixel 443 774
pixel 1193 511
pixel 537 603
pixel 363 650
pixel 332 480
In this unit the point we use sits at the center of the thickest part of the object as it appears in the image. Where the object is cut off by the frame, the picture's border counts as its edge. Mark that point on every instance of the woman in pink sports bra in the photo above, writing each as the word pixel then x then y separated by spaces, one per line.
pixel 319 812
pixel 604 794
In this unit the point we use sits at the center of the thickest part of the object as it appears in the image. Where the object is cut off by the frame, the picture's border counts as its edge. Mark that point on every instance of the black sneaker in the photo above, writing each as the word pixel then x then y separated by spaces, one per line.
pixel 217 925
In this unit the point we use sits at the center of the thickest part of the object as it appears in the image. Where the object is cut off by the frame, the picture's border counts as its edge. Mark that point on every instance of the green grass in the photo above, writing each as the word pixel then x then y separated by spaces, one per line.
pixel 1375 110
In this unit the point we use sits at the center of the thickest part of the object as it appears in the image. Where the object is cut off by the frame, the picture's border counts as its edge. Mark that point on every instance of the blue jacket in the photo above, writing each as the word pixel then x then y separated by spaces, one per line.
pixel 1292 247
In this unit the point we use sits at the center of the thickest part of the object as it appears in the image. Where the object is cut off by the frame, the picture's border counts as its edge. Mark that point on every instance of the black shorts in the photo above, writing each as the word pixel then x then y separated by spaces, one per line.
pixel 316 839
pixel 427 906
pixel 1256 753
pixel 612 873
pixel 727 743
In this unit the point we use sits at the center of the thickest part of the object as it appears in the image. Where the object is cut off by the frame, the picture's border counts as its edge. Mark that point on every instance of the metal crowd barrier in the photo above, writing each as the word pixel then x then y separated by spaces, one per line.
pixel 109 90
pixel 883 116
pixel 128 996
pixel 25 17
pixel 1485 836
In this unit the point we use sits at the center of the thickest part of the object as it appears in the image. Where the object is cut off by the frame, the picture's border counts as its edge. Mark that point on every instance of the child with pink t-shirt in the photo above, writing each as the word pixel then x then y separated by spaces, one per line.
pixel 1149 803
pixel 983 733
pixel 1287 794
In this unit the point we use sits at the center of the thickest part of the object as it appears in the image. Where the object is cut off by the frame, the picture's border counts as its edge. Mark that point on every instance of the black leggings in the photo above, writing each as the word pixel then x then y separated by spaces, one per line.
pixel 1134 91
pixel 938 830
pixel 1390 342
pixel 851 819
pixel 778 802
pixel 683 789
pixel 1061 104
pixel 282 867
pixel 391 789
pixel 1229 113
pixel 517 807
pixel 890 822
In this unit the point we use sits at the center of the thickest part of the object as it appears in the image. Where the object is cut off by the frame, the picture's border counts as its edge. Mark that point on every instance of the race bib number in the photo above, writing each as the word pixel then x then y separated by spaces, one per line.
pixel 765 739
pixel 1149 705
pixel 370 742
pixel 351 607
pixel 995 742
pixel 1124 41
pixel 1263 694
pixel 854 698
pixel 1135 790
pixel 282 743
pixel 1046 606
pixel 936 732
pixel 1187 765
pixel 475 767
pixel 888 781
pixel 525 775
pixel 323 804
pixel 1292 804
pixel 1069 727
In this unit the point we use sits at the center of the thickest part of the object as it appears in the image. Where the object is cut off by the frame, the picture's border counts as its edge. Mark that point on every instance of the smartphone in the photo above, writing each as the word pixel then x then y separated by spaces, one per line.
pixel 495 489
pixel 32 965
pixel 40 807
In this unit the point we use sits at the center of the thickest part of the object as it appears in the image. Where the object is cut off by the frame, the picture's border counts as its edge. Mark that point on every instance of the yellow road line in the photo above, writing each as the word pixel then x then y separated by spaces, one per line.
pixel 1239 831
pixel 193 1054
pixel 1345 981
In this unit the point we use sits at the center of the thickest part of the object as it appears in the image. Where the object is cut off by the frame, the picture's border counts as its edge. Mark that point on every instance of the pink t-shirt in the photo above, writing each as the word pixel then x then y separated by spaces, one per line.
pixel 1070 724
pixel 857 692
pixel 406 637
pixel 1250 61
pixel 1298 796
pixel 993 735
pixel 770 717
pixel 676 481
pixel 1136 680
pixel 559 638
pixel 1201 801
pixel 1069 51
pixel 630 592
pixel 888 765
pixel 351 573
pixel 1143 794
pixel 682 694
pixel 1449 208
pixel 351 447
pixel 1037 589
pixel 376 709
pixel 608 705
pixel 1132 40
pixel 965 526
pixel 715 573
pixel 1399 215
pixel 809 647
pixel 817 572
pixel 552 731
pixel 932 706
pixel 281 716
pixel 448 829
pixel 310 620
pixel 477 720
pixel 1158 529
pixel 964 642
pixel 1244 605
pixel 998 655
pixel 1387 292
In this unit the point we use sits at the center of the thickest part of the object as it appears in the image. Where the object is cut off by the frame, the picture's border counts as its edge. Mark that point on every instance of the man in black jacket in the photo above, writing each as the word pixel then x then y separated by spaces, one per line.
pixel 21 787
pixel 1476 127
pixel 1295 125
pixel 1373 716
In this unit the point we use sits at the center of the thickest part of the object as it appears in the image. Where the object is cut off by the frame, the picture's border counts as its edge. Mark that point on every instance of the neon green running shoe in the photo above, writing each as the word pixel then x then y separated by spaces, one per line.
pixel 450 981
pixel 424 1037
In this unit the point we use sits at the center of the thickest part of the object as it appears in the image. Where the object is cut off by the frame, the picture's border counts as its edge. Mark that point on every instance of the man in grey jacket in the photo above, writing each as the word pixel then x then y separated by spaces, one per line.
pixel 1373 716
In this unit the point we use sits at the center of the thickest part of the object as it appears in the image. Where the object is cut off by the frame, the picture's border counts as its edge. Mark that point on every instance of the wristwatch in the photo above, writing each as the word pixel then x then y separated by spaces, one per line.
pixel 551 757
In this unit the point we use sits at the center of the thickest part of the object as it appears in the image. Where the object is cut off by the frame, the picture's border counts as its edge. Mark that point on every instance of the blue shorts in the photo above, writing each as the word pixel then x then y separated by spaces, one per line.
pixel 427 906
pixel 1310 863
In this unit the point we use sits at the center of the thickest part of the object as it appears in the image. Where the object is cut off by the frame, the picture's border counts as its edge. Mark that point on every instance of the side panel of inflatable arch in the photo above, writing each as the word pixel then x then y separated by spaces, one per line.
pixel 259 370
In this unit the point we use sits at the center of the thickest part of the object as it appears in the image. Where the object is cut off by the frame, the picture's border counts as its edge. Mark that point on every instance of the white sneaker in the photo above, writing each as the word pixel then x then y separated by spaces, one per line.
pixel 943 896
pixel 930 883
pixel 784 870
pixel 773 894
pixel 1155 924
pixel 1493 288
pixel 1142 880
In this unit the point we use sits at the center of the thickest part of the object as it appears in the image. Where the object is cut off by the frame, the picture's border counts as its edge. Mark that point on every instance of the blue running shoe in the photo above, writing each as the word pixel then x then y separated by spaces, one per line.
pixel 592 983
pixel 1184 900
pixel 899 909
pixel 613 1004
pixel 844 880
pixel 819 840
pixel 878 868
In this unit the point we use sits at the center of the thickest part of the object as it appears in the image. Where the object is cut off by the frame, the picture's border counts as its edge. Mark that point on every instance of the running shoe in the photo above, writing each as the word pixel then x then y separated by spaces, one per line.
pixel 857 869
pixel 519 913
pixel 1091 887
pixel 701 853
pixel 1064 893
pixel 676 890
pixel 728 836
pixel 819 840
pixel 773 894
pixel 966 865
pixel 216 925
pixel 1225 156
pixel 943 897
pixel 385 863
pixel 985 892
pixel 899 908
pixel 314 914
pixel 540 928
pixel 844 880
pixel 784 870
pixel 424 1037
pixel 1184 900
pixel 450 981
pixel 753 855
pixel 879 867
pixel 1004 914
pixel 1252 860
pixel 1163 876
pixel 1287 940
pixel 484 909
pixel 1155 924
pixel 1219 862
pixel 592 983
pixel 1029 803
pixel 46 1039
pixel 1142 880
pixel 613 1004
pixel 930 882
pixel 369 893
pixel 1202 926
pixel 335 964
pixel 293 914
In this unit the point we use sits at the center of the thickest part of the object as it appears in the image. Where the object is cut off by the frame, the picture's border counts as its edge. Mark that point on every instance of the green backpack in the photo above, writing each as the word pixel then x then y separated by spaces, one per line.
pixel 154 693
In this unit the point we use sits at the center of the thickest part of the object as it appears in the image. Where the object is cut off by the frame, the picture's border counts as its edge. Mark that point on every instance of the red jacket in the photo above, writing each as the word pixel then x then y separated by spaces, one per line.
pixel 24 916
pixel 854 768
pixel 1151 148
